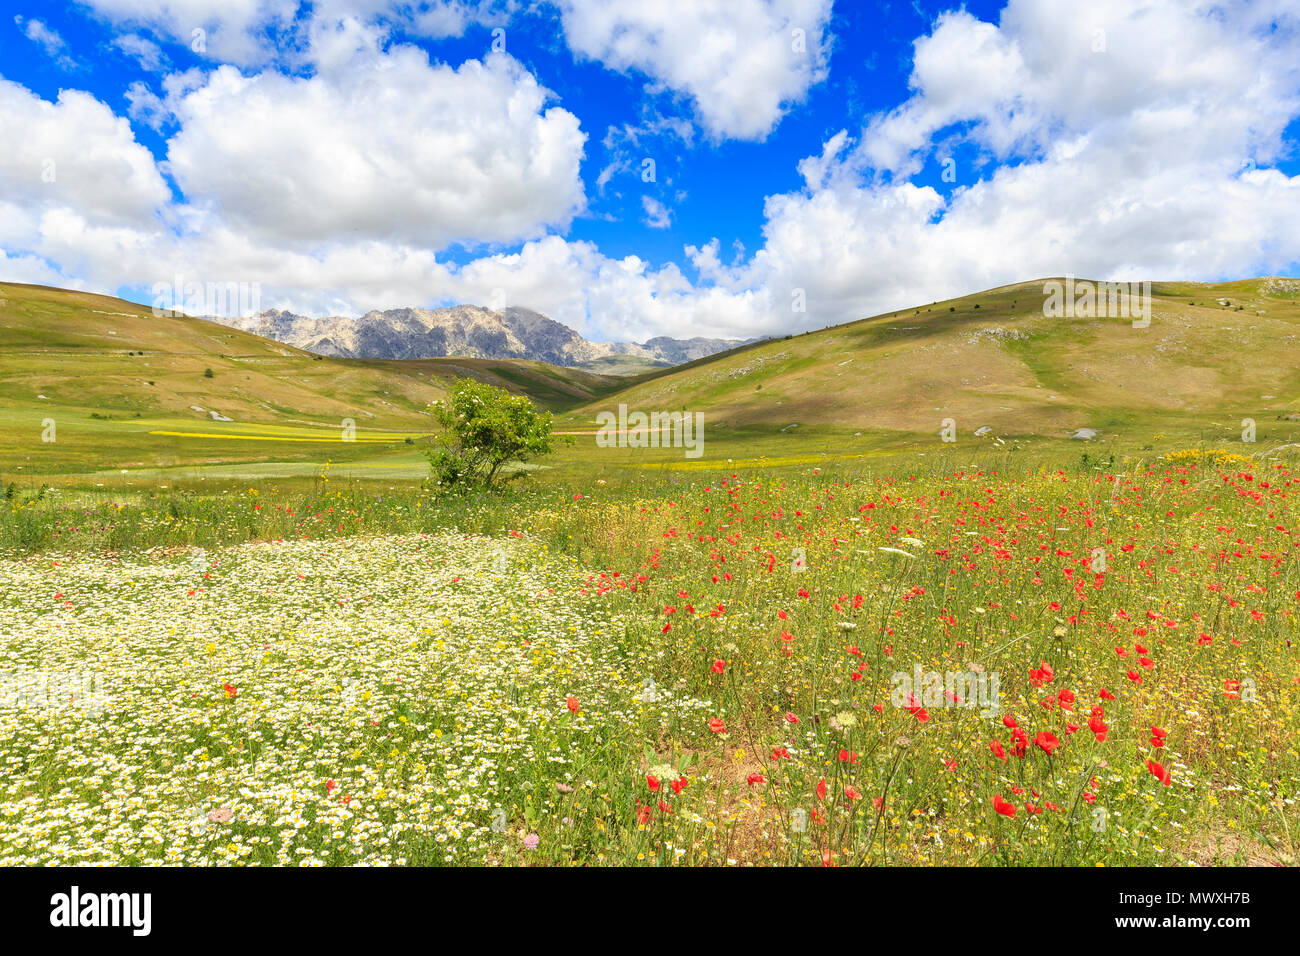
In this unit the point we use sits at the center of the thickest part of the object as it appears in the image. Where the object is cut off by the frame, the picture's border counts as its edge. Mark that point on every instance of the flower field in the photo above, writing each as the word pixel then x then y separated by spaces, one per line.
pixel 759 667
pixel 360 701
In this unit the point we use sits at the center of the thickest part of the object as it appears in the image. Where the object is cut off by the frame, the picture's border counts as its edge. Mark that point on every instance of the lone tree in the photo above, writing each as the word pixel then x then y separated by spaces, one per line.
pixel 483 428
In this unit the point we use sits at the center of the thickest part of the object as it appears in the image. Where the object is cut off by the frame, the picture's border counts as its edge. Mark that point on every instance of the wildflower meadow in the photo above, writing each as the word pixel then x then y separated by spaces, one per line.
pixel 752 665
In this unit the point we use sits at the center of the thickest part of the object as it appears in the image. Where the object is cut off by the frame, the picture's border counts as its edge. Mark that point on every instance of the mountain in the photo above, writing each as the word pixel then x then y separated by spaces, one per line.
pixel 469 331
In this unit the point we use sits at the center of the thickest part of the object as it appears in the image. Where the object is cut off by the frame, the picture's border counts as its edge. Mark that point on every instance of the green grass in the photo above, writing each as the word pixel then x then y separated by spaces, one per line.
pixel 413 651
pixel 466 659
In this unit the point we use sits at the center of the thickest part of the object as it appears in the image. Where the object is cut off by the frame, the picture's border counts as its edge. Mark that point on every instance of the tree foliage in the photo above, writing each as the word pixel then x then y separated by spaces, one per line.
pixel 482 429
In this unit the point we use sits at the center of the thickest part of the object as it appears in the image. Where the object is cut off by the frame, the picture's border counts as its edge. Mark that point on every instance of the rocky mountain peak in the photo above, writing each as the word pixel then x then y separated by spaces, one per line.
pixel 463 330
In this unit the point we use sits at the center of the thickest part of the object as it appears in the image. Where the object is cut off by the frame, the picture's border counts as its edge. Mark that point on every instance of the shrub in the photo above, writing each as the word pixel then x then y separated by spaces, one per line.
pixel 482 429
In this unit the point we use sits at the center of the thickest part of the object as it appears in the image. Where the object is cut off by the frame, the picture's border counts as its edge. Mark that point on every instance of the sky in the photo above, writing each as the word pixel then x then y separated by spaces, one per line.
pixel 728 168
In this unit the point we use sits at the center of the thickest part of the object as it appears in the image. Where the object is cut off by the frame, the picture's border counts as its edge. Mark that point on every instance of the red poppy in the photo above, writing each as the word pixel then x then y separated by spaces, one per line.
pixel 1160 772
pixel 1020 742
pixel 1047 741
pixel 1002 807
pixel 1098 726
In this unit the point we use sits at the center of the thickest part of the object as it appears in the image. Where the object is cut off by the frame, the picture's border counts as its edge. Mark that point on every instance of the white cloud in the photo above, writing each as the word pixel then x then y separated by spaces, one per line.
pixel 33 270
pixel 628 146
pixel 143 50
pixel 449 18
pixel 55 46
pixel 1051 69
pixel 387 146
pixel 657 215
pixel 1131 166
pixel 1126 163
pixel 742 62
pixel 234 31
pixel 145 106
pixel 252 33
pixel 74 153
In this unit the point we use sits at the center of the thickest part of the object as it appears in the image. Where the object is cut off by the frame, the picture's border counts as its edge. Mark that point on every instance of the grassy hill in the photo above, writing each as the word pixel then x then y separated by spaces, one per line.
pixel 1213 355
pixel 128 389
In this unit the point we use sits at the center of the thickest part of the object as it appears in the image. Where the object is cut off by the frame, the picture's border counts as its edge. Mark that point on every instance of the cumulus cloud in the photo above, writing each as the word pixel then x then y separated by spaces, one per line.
pixel 389 147
pixel 74 153
pixel 1050 69
pixel 742 62
pixel 340 191
pixel 1128 160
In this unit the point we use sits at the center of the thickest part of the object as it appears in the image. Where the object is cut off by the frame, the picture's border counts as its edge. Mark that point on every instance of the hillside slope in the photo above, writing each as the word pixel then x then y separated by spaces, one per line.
pixel 104 354
pixel 1212 355
pixel 126 389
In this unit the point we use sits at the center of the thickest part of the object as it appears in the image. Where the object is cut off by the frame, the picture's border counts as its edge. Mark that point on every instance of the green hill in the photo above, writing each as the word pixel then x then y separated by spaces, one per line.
pixel 127 389
pixel 1212 355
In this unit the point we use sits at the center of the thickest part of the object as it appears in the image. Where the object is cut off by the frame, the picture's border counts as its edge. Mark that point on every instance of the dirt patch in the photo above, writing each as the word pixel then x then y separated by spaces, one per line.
pixel 1233 849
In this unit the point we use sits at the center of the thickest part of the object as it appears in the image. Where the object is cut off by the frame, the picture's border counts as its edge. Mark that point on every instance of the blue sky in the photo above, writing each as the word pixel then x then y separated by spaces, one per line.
pixel 338 157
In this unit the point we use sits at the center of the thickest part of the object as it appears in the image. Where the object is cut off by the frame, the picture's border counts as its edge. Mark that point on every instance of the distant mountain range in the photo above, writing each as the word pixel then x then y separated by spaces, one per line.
pixel 472 332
